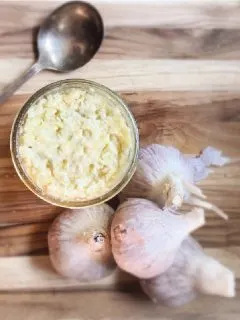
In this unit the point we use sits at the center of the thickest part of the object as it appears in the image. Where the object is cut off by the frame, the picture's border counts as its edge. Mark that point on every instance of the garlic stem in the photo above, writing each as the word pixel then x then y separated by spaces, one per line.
pixel 206 205
pixel 191 188
pixel 175 193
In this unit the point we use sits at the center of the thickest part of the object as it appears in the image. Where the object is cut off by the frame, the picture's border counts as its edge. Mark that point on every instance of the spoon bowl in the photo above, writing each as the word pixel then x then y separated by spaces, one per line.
pixel 67 40
pixel 70 37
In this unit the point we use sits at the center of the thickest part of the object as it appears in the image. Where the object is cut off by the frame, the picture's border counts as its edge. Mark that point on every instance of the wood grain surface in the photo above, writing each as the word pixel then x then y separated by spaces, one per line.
pixel 176 63
pixel 38 274
pixel 108 306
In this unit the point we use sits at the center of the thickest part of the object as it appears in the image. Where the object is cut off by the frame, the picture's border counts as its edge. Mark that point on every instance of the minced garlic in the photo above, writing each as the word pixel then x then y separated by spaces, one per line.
pixel 75 144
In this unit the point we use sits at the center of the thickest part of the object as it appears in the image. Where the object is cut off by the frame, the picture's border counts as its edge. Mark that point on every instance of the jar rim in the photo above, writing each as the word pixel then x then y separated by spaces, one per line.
pixel 17 123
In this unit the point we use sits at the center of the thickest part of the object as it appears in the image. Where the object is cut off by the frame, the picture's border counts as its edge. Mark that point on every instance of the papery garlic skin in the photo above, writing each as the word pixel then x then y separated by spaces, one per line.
pixel 145 238
pixel 167 177
pixel 200 164
pixel 79 243
pixel 157 166
pixel 191 272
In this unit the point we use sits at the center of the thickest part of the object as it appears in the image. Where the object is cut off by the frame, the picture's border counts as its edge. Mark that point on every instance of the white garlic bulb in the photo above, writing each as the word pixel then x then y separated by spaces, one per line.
pixel 145 238
pixel 79 243
pixel 168 177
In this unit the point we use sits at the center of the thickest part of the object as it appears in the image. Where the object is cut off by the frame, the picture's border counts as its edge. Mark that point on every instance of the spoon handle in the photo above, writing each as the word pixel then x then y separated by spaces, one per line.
pixel 8 90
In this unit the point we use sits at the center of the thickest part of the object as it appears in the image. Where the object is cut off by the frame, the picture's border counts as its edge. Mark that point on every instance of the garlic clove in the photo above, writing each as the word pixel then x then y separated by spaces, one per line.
pixel 192 272
pixel 175 286
pixel 145 238
pixel 214 278
pixel 160 290
pixel 195 219
pixel 79 243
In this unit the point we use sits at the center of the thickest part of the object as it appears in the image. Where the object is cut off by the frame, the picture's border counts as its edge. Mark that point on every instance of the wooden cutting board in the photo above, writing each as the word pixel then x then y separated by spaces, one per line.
pixel 177 65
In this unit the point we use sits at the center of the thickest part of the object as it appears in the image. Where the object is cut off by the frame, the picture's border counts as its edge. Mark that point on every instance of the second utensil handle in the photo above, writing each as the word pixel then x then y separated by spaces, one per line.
pixel 9 90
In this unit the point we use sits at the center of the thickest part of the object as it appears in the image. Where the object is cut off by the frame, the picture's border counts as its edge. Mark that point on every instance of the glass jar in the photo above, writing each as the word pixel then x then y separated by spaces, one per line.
pixel 108 96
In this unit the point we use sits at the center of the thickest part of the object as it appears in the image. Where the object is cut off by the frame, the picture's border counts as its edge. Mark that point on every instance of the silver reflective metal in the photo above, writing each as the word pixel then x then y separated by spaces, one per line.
pixel 67 40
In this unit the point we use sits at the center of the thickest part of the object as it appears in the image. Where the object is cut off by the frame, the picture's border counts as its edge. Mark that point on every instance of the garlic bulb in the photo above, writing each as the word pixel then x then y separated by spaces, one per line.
pixel 79 243
pixel 145 238
pixel 168 177
pixel 191 272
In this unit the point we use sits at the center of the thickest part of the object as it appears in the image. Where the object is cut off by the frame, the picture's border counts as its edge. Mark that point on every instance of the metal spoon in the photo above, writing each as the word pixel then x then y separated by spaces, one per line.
pixel 67 40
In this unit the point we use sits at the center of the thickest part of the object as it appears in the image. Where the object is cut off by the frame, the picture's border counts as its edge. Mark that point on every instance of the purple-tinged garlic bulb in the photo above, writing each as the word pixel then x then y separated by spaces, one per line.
pixel 191 272
pixel 168 177
pixel 79 243
pixel 145 238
